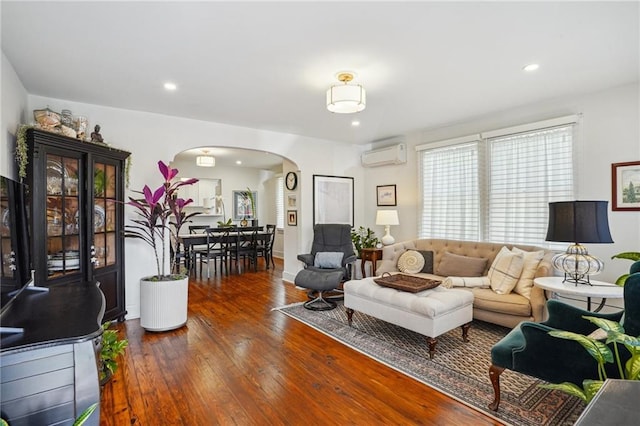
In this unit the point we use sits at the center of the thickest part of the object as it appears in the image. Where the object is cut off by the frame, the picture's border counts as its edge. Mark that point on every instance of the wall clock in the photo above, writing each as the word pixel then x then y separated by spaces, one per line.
pixel 291 181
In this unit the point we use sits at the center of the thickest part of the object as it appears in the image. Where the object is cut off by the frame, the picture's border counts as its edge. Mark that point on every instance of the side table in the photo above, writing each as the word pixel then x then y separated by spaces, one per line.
pixel 372 254
pixel 616 403
pixel 597 289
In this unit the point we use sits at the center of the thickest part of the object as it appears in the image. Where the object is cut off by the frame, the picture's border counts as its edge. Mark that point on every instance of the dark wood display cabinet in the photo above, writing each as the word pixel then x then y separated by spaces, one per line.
pixel 77 209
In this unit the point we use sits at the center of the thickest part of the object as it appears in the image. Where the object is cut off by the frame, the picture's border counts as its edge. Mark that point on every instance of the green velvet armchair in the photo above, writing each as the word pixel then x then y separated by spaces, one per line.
pixel 529 349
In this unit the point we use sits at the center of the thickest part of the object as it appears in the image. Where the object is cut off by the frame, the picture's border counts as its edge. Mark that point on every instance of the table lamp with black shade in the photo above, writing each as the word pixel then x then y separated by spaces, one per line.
pixel 578 222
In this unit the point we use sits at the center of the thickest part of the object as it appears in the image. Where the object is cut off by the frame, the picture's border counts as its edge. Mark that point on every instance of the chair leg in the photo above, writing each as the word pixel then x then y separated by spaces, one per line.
pixel 320 304
pixel 494 376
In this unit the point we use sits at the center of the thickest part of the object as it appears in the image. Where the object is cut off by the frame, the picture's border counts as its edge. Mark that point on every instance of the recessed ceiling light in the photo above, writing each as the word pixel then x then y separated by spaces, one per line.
pixel 170 86
pixel 238 162
pixel 355 123
pixel 531 67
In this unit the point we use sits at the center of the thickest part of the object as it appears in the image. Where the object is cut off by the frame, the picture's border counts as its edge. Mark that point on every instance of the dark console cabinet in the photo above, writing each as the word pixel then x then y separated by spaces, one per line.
pixel 48 372
pixel 77 193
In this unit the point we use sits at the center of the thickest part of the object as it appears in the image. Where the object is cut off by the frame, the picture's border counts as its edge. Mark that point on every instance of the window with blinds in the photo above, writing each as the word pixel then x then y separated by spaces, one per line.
pixel 527 171
pixel 450 192
pixel 280 203
pixel 497 188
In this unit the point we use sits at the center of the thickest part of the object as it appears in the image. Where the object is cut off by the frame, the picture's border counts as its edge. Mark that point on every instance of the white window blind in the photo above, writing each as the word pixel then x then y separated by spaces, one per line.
pixel 280 202
pixel 496 188
pixel 450 192
pixel 527 171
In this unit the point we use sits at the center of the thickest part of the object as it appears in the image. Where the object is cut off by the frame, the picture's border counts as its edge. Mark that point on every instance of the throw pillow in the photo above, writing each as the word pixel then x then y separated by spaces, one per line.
pixel 411 262
pixel 456 265
pixel 531 261
pixel 428 261
pixel 328 259
pixel 505 271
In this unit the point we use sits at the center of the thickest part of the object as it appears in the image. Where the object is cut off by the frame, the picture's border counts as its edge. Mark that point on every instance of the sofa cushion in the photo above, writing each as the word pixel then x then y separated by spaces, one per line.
pixel 505 271
pixel 428 261
pixel 531 261
pixel 511 304
pixel 411 262
pixel 461 266
pixel 328 259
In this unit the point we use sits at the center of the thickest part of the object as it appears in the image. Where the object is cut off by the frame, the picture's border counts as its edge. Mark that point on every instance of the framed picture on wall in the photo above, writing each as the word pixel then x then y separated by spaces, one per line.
pixel 292 201
pixel 386 195
pixel 332 199
pixel 292 217
pixel 625 186
pixel 243 207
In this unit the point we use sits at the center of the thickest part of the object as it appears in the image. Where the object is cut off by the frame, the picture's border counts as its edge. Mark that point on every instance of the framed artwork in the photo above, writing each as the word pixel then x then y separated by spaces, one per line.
pixel 625 186
pixel 332 199
pixel 292 217
pixel 243 208
pixel 292 201
pixel 386 195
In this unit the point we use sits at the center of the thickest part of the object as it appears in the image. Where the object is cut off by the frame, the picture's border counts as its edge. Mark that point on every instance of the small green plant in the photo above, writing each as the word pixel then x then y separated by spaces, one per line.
pixel 112 348
pixel 226 224
pixel 602 354
pixel 630 255
pixel 22 150
pixel 363 238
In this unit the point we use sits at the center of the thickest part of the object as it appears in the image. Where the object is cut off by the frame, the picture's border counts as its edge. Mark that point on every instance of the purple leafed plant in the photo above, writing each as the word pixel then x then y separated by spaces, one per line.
pixel 161 213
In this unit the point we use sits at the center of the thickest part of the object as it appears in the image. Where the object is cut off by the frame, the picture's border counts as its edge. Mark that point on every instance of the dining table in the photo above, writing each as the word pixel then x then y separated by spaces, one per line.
pixel 189 241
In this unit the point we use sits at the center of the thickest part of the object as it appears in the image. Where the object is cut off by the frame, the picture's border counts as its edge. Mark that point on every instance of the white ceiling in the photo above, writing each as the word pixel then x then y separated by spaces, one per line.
pixel 227 157
pixel 267 65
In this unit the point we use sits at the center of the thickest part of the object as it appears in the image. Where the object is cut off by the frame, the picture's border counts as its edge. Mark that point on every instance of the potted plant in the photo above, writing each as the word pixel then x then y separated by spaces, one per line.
pixel 363 238
pixel 112 348
pixel 635 267
pixel 601 353
pixel 161 215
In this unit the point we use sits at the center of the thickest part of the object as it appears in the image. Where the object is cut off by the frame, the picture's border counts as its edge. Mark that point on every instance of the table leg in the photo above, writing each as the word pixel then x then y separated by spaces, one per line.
pixel 363 261
pixel 600 306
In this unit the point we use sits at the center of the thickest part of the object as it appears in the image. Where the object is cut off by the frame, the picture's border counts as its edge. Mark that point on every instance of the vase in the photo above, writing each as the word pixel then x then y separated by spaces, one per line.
pixel 163 304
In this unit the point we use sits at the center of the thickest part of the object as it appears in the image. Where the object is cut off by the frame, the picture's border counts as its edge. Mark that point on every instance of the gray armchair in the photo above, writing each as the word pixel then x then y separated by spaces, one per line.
pixel 318 275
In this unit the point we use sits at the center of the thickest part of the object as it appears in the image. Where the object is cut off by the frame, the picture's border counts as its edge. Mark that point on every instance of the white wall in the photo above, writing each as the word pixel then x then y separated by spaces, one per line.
pixel 609 133
pixel 152 137
pixel 14 102
pixel 233 179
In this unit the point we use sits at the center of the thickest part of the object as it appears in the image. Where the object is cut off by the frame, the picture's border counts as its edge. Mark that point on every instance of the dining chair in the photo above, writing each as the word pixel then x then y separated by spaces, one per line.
pixel 243 247
pixel 265 245
pixel 197 250
pixel 217 242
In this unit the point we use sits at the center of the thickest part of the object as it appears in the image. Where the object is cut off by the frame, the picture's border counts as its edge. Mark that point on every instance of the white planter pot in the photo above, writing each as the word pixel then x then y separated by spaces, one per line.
pixel 163 304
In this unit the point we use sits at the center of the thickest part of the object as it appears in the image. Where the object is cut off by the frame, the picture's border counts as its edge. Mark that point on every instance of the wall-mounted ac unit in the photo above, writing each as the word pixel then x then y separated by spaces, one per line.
pixel 395 154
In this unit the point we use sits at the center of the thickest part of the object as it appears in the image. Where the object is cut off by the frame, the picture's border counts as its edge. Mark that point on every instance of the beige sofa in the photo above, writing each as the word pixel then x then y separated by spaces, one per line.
pixel 503 309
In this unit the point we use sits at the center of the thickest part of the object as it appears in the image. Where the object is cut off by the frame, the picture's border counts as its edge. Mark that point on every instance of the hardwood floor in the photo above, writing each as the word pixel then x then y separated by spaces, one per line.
pixel 238 362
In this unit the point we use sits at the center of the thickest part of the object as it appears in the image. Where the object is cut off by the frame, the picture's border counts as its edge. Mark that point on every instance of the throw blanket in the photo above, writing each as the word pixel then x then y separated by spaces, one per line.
pixel 466 282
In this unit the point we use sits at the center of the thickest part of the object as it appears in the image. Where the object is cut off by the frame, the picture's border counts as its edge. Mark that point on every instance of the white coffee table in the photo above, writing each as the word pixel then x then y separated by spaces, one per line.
pixel 597 289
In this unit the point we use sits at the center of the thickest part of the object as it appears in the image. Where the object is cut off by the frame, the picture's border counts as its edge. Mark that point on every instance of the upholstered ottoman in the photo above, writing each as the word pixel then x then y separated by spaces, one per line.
pixel 430 312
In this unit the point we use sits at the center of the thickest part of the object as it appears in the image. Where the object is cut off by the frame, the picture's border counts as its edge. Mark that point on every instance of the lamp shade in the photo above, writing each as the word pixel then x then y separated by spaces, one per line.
pixel 579 222
pixel 205 161
pixel 387 217
pixel 346 98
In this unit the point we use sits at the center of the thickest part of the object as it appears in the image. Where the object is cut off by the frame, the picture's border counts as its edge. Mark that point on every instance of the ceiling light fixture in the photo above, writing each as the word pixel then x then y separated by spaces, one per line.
pixel 170 86
pixel 346 98
pixel 531 67
pixel 205 160
pixel 355 123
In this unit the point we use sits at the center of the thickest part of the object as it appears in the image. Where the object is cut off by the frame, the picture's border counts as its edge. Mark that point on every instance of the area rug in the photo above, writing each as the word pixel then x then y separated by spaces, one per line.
pixel 459 370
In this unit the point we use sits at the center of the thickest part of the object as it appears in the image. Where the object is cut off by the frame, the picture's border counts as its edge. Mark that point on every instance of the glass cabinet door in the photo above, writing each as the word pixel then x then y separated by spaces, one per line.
pixel 104 217
pixel 8 264
pixel 63 221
